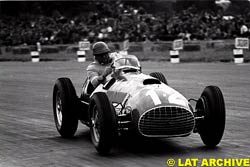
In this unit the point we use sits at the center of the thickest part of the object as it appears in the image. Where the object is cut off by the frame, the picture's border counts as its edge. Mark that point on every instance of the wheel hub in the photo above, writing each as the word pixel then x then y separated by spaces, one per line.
pixel 59 109
pixel 95 124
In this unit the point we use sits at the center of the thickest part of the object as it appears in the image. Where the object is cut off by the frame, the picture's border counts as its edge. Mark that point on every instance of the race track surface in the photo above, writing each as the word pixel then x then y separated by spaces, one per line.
pixel 28 137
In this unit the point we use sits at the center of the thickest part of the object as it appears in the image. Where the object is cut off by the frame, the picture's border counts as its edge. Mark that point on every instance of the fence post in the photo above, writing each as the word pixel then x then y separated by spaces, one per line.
pixel 238 56
pixel 81 55
pixel 35 56
pixel 174 56
pixel 83 47
pixel 240 44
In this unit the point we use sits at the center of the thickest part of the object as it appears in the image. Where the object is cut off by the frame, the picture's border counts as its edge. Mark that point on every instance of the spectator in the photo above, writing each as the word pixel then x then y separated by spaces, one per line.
pixel 118 21
pixel 243 30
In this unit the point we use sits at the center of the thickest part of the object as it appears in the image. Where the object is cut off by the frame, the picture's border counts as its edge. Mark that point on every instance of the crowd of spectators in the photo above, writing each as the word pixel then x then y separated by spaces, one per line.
pixel 118 22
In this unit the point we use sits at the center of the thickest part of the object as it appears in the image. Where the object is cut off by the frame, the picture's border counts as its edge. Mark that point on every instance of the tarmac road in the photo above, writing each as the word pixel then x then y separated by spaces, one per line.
pixel 28 137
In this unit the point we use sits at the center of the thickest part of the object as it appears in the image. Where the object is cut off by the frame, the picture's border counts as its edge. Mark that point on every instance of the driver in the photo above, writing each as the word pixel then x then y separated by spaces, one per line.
pixel 98 70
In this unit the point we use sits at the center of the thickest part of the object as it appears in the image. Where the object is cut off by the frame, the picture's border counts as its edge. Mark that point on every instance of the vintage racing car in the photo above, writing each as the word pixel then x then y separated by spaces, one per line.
pixel 136 102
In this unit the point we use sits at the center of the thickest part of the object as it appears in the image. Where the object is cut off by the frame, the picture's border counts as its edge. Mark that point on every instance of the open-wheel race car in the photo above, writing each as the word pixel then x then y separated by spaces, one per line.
pixel 139 103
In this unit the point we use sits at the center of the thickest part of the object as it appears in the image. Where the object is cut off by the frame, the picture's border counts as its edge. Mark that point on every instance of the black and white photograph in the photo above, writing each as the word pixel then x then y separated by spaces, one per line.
pixel 128 83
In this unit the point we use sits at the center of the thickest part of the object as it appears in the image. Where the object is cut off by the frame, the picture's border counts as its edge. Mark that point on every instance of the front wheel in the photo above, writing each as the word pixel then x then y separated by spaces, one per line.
pixel 65 107
pixel 211 106
pixel 103 123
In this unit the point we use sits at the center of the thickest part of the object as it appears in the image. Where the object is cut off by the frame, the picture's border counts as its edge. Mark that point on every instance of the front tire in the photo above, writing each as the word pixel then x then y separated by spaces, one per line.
pixel 159 76
pixel 103 123
pixel 65 107
pixel 212 106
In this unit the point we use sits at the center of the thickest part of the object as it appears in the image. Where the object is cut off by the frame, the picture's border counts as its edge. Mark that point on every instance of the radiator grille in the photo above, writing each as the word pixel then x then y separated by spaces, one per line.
pixel 166 121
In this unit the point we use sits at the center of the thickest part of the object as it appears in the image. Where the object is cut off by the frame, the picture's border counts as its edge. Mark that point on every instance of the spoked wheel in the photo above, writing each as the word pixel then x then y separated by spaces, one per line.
pixel 160 76
pixel 103 123
pixel 58 117
pixel 95 121
pixel 65 107
pixel 211 105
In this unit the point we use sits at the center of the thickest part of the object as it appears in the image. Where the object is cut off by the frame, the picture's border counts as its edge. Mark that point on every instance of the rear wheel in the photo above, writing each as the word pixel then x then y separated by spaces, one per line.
pixel 65 107
pixel 211 105
pixel 103 123
pixel 160 76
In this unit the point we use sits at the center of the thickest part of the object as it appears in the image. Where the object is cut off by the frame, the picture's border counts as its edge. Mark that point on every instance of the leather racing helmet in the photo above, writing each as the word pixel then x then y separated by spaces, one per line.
pixel 100 48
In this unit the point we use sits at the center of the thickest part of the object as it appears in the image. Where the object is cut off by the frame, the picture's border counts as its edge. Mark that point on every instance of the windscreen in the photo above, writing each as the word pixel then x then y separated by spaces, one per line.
pixel 127 62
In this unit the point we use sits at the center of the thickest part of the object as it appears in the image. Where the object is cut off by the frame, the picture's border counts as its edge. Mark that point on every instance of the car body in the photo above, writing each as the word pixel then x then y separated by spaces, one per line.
pixel 140 103
pixel 156 109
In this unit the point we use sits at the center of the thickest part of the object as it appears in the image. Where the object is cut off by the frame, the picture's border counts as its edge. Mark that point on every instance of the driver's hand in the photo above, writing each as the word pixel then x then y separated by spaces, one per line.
pixel 107 71
pixel 116 73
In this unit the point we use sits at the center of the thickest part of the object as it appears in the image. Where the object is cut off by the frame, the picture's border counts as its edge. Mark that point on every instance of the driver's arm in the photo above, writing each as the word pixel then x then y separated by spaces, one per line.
pixel 95 77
